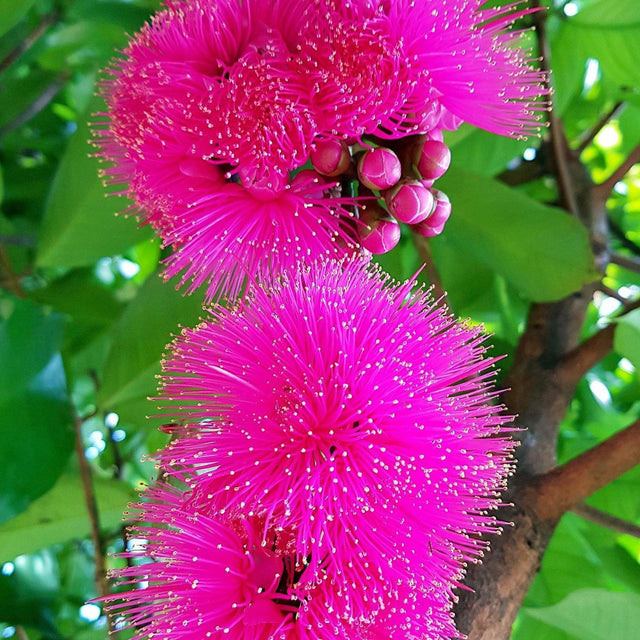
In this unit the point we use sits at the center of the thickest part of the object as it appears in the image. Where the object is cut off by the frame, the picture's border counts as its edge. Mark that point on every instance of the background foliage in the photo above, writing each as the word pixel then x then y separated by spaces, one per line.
pixel 84 316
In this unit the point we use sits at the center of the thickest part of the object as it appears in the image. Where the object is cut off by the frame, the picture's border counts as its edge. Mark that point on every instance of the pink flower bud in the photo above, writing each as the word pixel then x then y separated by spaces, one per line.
pixel 262 185
pixel 379 168
pixel 434 159
pixel 435 134
pixel 309 183
pixel 378 235
pixel 330 157
pixel 434 224
pixel 410 201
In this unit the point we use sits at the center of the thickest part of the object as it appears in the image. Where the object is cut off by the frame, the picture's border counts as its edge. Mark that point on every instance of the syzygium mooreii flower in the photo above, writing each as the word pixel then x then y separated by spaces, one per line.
pixel 208 115
pixel 351 412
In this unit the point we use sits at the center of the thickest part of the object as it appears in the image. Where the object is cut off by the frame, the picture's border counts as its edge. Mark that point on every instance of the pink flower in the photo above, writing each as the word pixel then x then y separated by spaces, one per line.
pixel 213 94
pixel 352 413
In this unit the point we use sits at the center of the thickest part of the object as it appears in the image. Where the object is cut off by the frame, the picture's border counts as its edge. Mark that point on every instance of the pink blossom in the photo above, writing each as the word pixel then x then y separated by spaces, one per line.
pixel 213 94
pixel 353 413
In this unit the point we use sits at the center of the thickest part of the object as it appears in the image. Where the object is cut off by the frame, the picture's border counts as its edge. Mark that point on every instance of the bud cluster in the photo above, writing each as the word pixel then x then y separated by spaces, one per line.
pixel 394 184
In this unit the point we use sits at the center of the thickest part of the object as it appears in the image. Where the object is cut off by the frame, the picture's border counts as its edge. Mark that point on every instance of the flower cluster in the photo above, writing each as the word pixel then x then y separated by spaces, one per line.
pixel 340 453
pixel 253 134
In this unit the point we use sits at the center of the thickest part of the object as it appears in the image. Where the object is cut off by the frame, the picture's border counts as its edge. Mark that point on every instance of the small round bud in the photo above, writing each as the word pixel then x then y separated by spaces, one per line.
pixel 380 236
pixel 379 168
pixel 310 183
pixel 434 224
pixel 330 157
pixel 435 134
pixel 410 201
pixel 262 186
pixel 434 159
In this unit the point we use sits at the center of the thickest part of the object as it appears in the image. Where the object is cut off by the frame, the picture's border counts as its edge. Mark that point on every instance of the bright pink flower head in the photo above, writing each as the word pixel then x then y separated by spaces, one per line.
pixel 208 116
pixel 353 413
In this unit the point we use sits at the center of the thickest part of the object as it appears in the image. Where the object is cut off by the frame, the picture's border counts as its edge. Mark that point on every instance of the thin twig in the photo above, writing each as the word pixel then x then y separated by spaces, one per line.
pixel 602 190
pixel 18 241
pixel 21 634
pixel 606 520
pixel 10 281
pixel 424 250
pixel 631 263
pixel 37 105
pixel 24 46
pixel 561 489
pixel 592 133
pixel 619 233
pixel 100 576
pixel 559 144
pixel 589 352
pixel 612 293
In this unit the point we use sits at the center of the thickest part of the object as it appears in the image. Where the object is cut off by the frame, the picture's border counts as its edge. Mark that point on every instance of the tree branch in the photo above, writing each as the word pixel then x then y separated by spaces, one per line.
pixel 100 576
pixel 424 250
pixel 587 354
pixel 559 144
pixel 37 105
pixel 606 520
pixel 602 190
pixel 589 138
pixel 10 281
pixel 631 263
pixel 47 20
pixel 562 488
pixel 619 233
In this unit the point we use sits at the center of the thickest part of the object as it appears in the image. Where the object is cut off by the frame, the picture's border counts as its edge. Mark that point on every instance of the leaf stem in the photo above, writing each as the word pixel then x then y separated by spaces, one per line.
pixel 606 520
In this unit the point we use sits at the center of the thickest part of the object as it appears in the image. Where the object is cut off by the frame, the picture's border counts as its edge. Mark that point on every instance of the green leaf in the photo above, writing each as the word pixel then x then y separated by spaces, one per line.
pixel 609 30
pixel 80 224
pixel 61 515
pixel 11 12
pixel 140 338
pixel 594 614
pixel 626 339
pixel 543 252
pixel 35 434
pixel 486 153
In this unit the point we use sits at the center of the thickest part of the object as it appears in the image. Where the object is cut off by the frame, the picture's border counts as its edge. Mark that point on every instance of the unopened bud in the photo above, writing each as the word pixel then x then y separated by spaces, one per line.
pixel 330 157
pixel 381 235
pixel 262 185
pixel 435 134
pixel 379 168
pixel 434 159
pixel 309 183
pixel 410 201
pixel 434 224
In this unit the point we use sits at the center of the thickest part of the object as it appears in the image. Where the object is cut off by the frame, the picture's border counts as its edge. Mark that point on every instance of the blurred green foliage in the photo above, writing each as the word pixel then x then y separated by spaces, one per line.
pixel 84 317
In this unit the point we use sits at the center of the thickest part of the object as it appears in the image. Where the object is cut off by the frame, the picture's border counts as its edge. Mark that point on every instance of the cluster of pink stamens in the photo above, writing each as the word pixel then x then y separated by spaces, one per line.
pixel 217 106
pixel 338 455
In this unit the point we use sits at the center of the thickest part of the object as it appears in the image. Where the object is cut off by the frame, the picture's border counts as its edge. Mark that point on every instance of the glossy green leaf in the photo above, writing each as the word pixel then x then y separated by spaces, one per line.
pixel 140 338
pixel 80 224
pixel 626 340
pixel 61 515
pixel 609 30
pixel 594 614
pixel 510 232
pixel 35 423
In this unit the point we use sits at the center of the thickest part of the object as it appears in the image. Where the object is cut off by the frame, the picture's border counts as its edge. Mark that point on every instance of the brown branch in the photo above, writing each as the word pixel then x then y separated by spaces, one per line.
pixel 606 520
pixel 619 233
pixel 602 190
pixel 592 133
pixel 612 293
pixel 21 634
pixel 100 576
pixel 559 144
pixel 47 20
pixel 424 251
pixel 37 105
pixel 10 281
pixel 631 263
pixel 564 487
pixel 587 354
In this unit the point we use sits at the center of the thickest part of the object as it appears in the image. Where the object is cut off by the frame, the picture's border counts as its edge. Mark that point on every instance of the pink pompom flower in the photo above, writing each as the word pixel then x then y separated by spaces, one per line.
pixel 351 412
